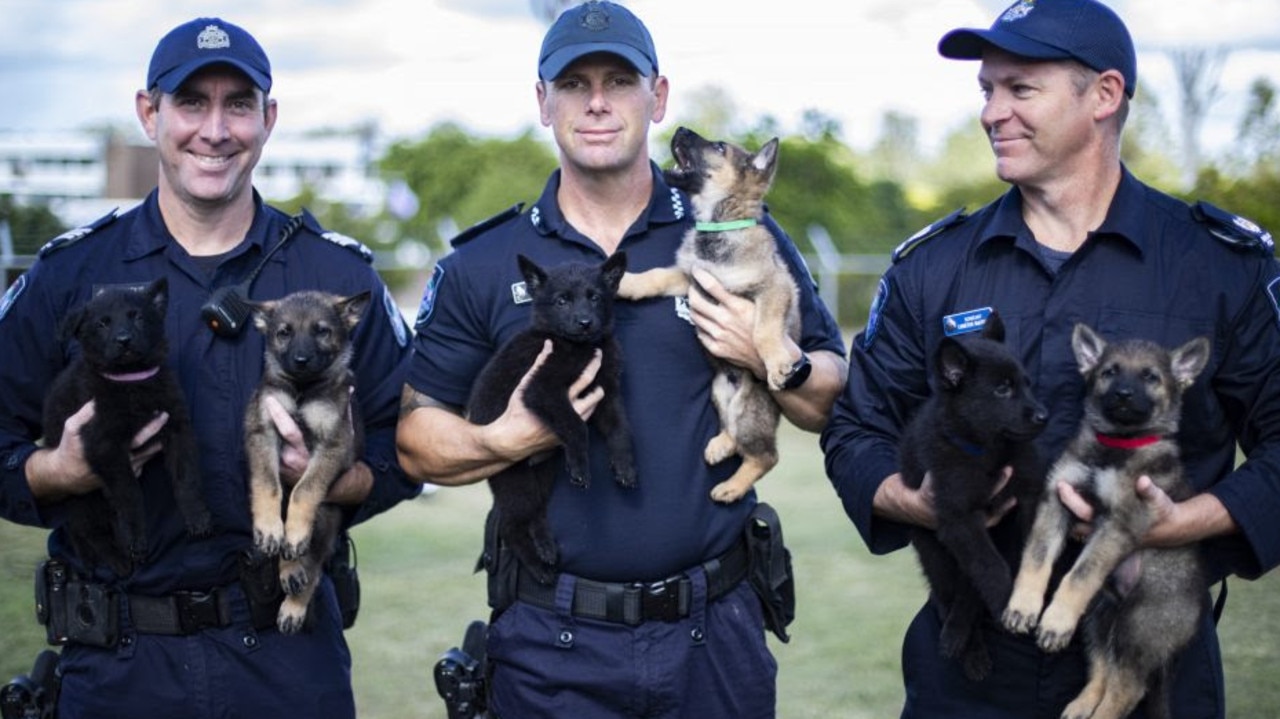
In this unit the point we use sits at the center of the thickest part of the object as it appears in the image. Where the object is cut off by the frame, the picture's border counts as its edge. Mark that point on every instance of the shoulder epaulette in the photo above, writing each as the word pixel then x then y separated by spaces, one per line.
pixel 480 227
pixel 928 233
pixel 1232 229
pixel 337 238
pixel 71 237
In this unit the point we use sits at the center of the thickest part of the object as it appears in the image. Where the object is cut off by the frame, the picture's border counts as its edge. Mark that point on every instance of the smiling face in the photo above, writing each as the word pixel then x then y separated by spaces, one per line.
pixel 210 134
pixel 1040 116
pixel 600 109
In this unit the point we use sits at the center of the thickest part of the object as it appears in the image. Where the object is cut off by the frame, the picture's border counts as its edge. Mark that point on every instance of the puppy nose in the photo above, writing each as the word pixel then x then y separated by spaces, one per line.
pixel 301 359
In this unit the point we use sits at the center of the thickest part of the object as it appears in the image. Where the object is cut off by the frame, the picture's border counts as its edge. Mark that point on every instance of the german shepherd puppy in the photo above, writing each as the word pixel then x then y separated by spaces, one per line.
pixel 1138 621
pixel 981 419
pixel 572 307
pixel 122 367
pixel 307 370
pixel 727 185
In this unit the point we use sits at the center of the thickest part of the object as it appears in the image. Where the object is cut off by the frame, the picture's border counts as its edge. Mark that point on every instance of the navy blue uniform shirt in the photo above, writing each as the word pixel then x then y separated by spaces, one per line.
pixel 1154 270
pixel 217 375
pixel 669 522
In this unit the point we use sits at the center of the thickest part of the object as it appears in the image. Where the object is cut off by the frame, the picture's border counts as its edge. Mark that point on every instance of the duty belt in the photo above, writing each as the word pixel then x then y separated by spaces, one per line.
pixel 634 603
pixel 183 612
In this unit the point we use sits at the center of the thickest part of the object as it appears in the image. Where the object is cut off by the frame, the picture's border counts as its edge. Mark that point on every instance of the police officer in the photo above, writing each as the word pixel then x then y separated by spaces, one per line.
pixel 180 637
pixel 1077 238
pixel 676 632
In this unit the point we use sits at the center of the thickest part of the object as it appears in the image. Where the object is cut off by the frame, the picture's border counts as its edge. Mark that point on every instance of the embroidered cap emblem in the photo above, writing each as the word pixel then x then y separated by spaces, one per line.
pixel 595 19
pixel 213 37
pixel 1018 11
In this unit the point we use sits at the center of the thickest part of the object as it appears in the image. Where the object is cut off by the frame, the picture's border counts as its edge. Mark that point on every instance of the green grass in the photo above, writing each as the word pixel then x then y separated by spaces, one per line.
pixel 419 594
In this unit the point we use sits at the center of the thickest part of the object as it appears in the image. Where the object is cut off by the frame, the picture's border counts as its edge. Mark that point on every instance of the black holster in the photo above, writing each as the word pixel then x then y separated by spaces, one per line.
pixel 73 610
pixel 769 569
pixel 341 569
pixel 34 695
pixel 500 566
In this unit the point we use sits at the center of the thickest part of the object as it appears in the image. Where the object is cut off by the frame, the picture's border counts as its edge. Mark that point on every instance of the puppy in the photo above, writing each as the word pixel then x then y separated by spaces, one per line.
pixel 307 370
pixel 981 419
pixel 727 185
pixel 1138 621
pixel 572 307
pixel 122 368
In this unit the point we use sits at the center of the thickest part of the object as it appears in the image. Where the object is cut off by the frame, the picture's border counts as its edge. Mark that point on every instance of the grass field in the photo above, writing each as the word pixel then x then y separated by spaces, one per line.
pixel 419 593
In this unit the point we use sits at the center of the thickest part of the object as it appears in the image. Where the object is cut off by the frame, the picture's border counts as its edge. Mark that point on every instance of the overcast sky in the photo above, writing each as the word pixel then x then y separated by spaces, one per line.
pixel 408 65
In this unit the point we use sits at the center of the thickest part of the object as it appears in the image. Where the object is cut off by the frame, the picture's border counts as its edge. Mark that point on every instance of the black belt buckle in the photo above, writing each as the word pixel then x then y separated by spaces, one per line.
pixel 196 610
pixel 667 600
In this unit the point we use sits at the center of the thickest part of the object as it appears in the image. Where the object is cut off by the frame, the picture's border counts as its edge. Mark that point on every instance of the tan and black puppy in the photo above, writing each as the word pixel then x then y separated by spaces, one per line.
pixel 727 185
pixel 1140 607
pixel 308 356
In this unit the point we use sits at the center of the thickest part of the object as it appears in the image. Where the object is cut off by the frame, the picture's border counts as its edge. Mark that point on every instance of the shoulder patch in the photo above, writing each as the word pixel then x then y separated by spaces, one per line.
pixel 428 304
pixel 395 317
pixel 11 294
pixel 480 227
pixel 928 233
pixel 1233 229
pixel 71 237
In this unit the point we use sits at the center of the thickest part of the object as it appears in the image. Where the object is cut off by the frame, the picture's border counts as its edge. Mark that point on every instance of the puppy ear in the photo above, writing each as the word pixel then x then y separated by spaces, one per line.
pixel 953 363
pixel 993 328
pixel 158 293
pixel 352 308
pixel 1088 347
pixel 613 269
pixel 766 160
pixel 1188 360
pixel 534 276
pixel 262 314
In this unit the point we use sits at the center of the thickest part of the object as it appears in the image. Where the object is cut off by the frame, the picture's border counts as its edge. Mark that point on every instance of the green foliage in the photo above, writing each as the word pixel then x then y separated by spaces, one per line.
pixel 30 225
pixel 460 179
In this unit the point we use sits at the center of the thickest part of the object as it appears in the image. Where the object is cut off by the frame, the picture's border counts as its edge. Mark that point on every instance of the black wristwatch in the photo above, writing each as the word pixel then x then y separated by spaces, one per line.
pixel 799 372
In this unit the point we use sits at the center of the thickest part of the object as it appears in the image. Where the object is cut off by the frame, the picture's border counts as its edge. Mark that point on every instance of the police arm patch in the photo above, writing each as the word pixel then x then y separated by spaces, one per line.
pixel 428 304
pixel 11 295
pixel 394 316
pixel 873 318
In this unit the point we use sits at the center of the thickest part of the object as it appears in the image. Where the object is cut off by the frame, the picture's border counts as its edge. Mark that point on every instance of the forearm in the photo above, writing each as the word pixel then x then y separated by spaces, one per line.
pixel 809 405
pixel 435 444
pixel 895 501
pixel 49 477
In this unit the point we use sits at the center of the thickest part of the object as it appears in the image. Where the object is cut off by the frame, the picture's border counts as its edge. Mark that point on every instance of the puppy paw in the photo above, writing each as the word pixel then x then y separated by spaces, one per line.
pixel 1056 629
pixel 625 474
pixel 728 492
pixel 268 537
pixel 1022 614
pixel 720 448
pixel 293 578
pixel 291 617
pixel 293 548
pixel 977 664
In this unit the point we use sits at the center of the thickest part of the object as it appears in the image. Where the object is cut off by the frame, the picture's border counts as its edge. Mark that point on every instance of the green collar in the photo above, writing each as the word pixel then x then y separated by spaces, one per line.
pixel 724 226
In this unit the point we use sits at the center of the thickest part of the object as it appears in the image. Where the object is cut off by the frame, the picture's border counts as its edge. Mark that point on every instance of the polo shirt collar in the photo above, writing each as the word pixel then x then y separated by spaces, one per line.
pixel 1123 220
pixel 666 205
pixel 150 234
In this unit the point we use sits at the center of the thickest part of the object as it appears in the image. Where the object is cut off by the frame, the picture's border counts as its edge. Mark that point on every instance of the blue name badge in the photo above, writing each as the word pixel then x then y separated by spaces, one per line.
pixel 965 322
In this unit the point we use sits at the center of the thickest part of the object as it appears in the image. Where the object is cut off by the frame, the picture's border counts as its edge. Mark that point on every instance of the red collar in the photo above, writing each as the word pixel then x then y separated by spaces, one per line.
pixel 1107 440
pixel 132 376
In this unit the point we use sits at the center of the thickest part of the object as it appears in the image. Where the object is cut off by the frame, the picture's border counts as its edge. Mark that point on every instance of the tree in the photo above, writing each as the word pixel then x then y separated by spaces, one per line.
pixel 1197 71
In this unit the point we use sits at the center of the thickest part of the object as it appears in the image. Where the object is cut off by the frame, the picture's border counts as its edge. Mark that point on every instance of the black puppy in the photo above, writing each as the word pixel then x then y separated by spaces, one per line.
pixel 122 367
pixel 980 419
pixel 572 307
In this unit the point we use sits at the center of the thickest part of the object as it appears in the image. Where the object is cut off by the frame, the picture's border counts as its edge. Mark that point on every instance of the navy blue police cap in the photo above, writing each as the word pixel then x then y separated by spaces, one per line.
pixel 202 42
pixel 1082 30
pixel 596 26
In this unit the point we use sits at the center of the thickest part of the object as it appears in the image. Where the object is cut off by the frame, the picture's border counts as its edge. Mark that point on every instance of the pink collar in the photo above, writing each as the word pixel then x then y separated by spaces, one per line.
pixel 133 376
pixel 1107 440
